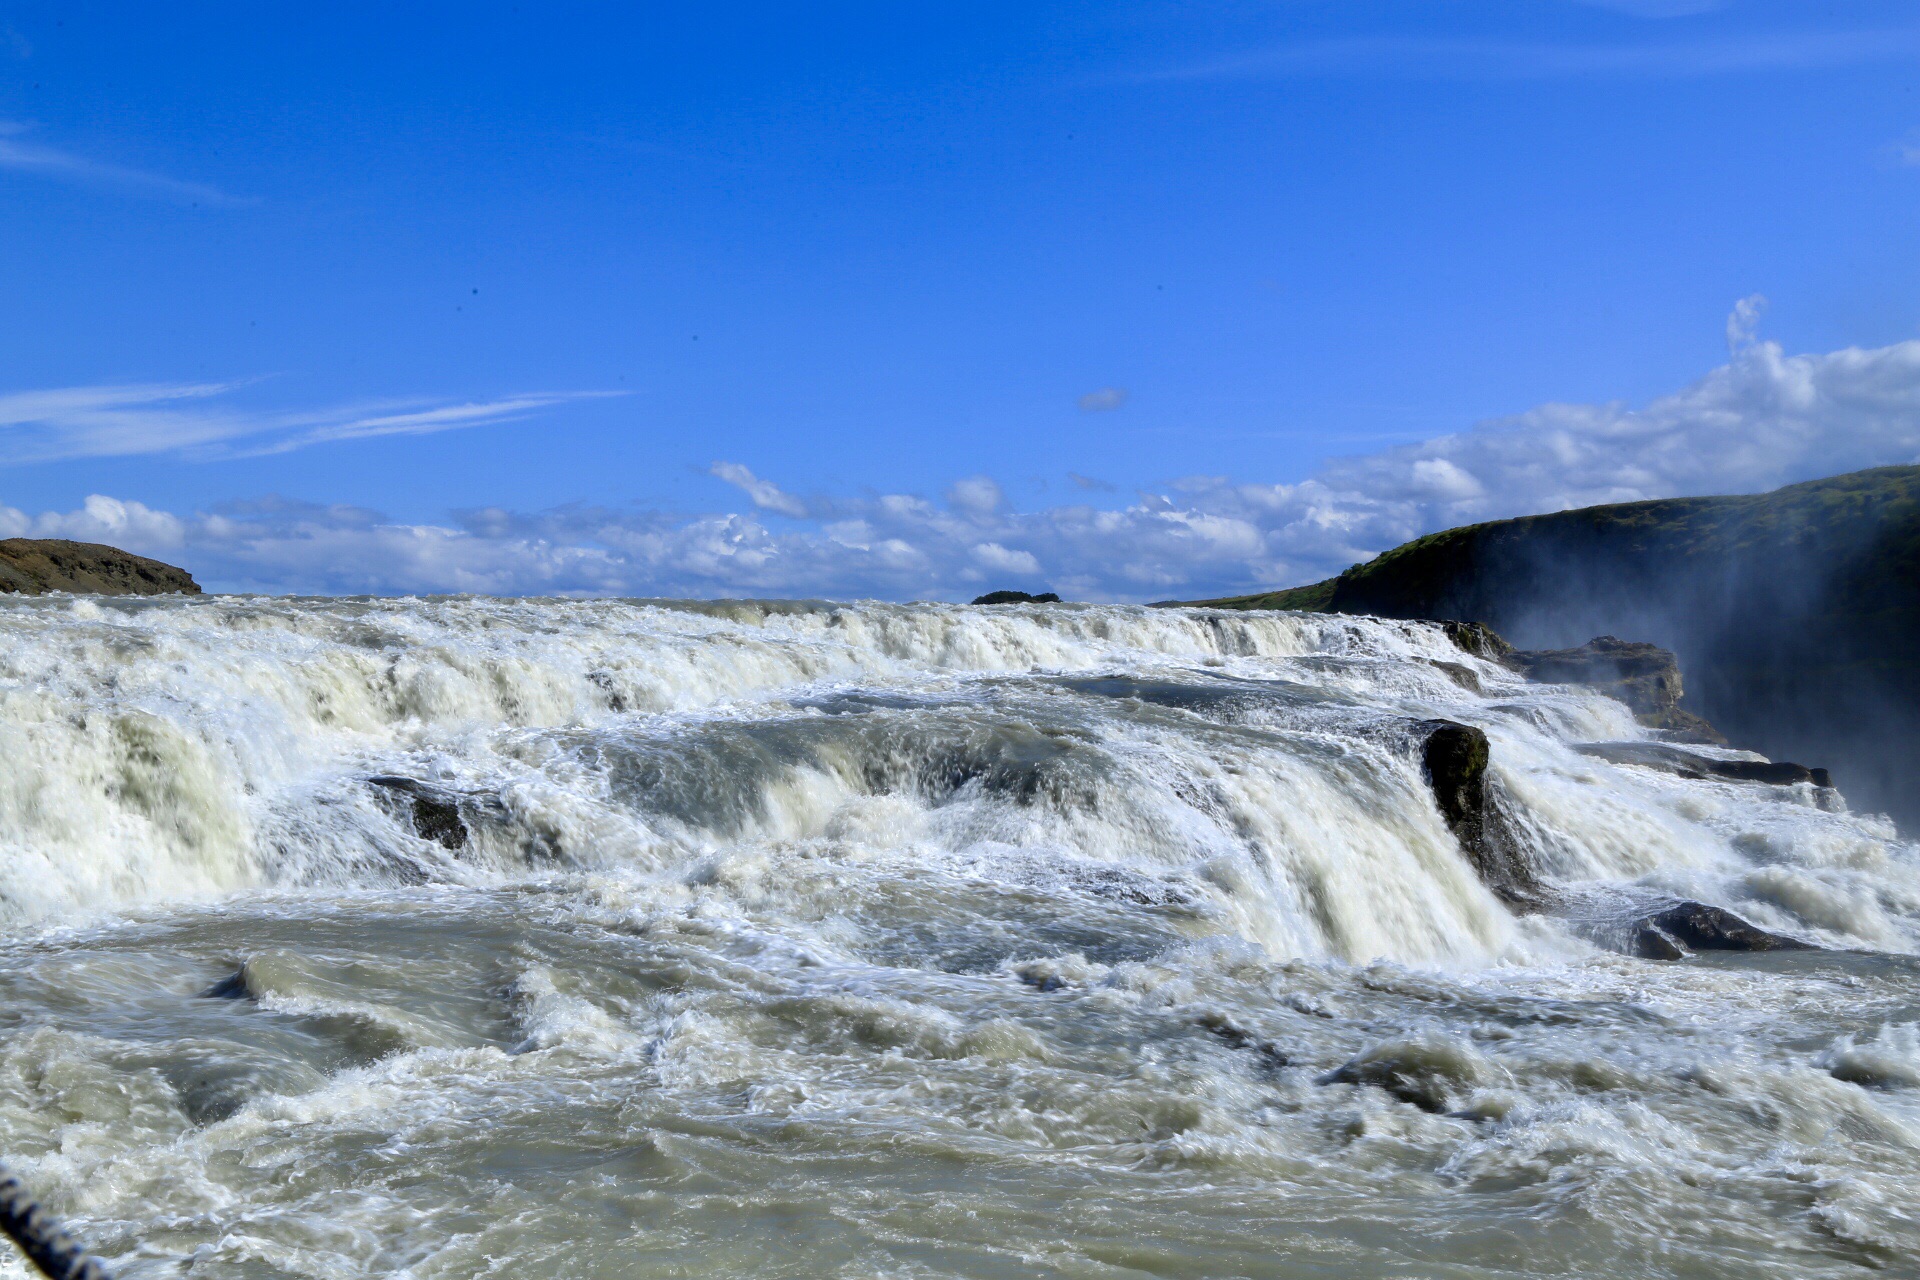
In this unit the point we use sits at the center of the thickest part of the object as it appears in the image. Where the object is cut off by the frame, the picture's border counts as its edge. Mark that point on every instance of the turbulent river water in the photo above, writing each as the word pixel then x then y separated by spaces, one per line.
pixel 449 938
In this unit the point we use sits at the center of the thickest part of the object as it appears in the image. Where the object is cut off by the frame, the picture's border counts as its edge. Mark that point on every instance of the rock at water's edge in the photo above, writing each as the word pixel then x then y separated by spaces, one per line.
pixel 35 566
pixel 1685 927
pixel 1691 764
pixel 1454 758
pixel 1016 597
pixel 1644 676
pixel 435 813
pixel 1477 639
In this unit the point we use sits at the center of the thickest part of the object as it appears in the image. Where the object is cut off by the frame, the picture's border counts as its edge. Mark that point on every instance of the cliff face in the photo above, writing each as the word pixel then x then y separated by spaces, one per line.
pixel 35 566
pixel 1795 614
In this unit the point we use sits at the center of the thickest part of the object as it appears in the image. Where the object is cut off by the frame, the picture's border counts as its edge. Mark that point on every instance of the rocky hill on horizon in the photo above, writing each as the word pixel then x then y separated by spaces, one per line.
pixel 36 566
pixel 1795 613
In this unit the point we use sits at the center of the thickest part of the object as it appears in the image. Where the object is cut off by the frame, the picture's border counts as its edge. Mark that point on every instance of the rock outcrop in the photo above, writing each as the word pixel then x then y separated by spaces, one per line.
pixel 1016 597
pixel 1691 764
pixel 1454 758
pixel 36 566
pixel 1644 676
pixel 1677 931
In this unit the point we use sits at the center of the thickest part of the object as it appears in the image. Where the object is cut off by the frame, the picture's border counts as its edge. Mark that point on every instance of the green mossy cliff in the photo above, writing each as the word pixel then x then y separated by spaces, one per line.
pixel 1796 613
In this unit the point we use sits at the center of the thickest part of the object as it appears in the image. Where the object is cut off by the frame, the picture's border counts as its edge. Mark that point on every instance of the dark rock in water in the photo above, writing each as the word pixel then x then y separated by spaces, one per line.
pixel 605 682
pixel 1432 1075
pixel 1691 764
pixel 438 821
pixel 1686 927
pixel 1016 597
pixel 1238 1037
pixel 1464 676
pixel 35 566
pixel 232 987
pixel 435 811
pixel 1650 943
pixel 1454 758
pixel 1477 639
pixel 1644 676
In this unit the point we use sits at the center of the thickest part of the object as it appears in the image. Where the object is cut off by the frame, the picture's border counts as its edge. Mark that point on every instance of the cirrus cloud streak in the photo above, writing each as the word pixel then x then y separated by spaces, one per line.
pixel 195 420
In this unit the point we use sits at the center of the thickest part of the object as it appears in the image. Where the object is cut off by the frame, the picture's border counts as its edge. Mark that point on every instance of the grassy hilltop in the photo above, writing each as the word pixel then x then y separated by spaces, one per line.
pixel 1796 613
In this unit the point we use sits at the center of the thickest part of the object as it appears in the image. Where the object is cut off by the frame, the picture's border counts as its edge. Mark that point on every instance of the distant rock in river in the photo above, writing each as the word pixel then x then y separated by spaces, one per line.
pixel 35 566
pixel 1016 597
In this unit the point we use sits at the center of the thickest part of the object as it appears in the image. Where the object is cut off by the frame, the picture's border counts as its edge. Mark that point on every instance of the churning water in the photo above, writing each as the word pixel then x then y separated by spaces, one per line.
pixel 457 938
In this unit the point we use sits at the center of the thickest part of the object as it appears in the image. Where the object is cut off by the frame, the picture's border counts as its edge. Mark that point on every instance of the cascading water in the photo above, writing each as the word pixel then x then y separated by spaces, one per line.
pixel 474 937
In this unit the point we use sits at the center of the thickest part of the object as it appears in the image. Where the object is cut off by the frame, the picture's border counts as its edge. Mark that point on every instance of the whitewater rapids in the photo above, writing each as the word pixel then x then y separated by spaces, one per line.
pixel 464 937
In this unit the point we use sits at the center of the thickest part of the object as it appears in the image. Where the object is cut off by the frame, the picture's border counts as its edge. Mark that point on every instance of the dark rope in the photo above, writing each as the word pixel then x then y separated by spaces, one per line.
pixel 40 1235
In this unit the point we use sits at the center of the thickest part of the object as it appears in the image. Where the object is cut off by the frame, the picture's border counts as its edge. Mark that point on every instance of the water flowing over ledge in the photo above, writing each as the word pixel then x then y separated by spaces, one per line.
pixel 924 919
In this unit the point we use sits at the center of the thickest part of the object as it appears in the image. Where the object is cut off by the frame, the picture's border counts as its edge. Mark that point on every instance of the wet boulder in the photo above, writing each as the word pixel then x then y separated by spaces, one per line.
pixel 437 813
pixel 1677 931
pixel 1454 759
pixel 1477 639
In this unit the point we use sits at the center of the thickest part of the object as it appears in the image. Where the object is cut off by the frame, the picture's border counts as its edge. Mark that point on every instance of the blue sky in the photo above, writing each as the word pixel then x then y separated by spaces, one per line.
pixel 1136 300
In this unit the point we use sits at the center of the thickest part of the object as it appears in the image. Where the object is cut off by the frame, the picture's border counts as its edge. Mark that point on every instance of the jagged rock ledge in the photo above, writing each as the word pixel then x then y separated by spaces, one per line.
pixel 1644 676
pixel 36 566
pixel 1691 764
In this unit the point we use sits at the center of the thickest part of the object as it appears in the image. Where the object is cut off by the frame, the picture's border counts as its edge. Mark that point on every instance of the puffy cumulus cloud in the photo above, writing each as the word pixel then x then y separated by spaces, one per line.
pixel 1763 419
pixel 999 559
pixel 101 519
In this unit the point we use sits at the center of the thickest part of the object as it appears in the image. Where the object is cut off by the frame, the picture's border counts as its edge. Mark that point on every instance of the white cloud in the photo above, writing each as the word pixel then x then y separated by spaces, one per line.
pixel 1763 419
pixel 1105 400
pixel 978 496
pixel 1743 322
pixel 993 556
pixel 102 519
pixel 191 418
pixel 23 157
pixel 765 494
